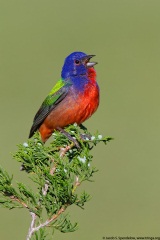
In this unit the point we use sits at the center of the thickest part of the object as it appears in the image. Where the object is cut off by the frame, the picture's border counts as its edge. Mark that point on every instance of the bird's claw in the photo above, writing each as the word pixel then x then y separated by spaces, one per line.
pixel 69 137
pixel 85 137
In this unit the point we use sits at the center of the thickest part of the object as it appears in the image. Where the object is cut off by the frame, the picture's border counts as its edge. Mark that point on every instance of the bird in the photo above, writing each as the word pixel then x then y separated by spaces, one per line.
pixel 73 99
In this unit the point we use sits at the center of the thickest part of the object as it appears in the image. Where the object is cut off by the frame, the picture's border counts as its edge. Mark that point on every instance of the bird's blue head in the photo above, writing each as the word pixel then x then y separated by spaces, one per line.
pixel 76 64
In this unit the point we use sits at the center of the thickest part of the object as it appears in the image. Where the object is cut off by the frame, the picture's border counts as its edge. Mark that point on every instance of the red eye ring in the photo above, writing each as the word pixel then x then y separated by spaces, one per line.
pixel 77 62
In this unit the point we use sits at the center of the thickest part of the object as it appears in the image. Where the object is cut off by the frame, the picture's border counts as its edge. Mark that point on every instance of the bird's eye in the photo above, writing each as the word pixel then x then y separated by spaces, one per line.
pixel 77 62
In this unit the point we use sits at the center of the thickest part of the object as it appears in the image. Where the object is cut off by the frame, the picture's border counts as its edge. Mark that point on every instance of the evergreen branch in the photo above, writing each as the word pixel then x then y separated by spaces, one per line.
pixel 77 183
pixel 57 170
pixel 13 198
pixel 33 229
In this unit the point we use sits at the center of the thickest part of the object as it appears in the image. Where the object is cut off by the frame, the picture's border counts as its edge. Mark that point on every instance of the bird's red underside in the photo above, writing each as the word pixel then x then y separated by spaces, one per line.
pixel 73 109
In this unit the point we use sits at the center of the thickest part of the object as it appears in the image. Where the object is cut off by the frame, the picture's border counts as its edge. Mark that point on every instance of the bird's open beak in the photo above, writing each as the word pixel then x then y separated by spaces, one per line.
pixel 89 64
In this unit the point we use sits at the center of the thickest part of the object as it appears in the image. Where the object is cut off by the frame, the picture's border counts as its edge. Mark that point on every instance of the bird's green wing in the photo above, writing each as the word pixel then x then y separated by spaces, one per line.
pixel 57 94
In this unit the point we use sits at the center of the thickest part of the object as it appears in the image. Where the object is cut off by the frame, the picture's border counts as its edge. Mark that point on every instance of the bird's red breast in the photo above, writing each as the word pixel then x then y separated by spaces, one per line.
pixel 75 108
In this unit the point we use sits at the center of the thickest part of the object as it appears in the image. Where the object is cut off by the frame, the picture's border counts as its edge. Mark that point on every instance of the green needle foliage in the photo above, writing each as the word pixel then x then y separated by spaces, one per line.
pixel 57 170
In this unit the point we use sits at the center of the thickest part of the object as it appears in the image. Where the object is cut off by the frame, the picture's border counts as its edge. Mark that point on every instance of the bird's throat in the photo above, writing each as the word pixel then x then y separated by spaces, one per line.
pixel 91 74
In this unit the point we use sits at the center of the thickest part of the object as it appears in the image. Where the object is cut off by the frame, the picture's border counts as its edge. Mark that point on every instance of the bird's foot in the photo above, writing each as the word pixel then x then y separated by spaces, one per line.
pixel 85 137
pixel 69 136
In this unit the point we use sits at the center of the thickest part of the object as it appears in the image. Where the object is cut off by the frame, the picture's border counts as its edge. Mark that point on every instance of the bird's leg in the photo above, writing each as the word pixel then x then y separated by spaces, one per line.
pixel 82 127
pixel 68 136
pixel 84 136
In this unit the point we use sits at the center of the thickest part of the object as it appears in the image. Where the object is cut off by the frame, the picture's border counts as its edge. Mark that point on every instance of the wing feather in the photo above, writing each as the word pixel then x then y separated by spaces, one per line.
pixel 57 94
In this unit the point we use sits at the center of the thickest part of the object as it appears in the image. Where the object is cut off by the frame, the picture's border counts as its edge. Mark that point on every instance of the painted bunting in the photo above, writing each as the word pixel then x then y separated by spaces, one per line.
pixel 73 99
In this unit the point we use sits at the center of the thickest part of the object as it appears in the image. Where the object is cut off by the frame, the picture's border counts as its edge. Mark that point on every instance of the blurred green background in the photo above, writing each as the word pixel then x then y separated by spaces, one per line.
pixel 35 37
